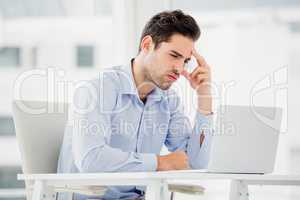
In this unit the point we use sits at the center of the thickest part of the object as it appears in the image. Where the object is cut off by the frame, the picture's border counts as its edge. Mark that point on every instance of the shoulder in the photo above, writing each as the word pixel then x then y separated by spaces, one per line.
pixel 102 90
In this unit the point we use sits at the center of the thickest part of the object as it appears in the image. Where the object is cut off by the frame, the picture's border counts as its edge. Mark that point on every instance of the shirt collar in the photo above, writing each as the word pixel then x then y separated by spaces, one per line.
pixel 128 85
pixel 127 81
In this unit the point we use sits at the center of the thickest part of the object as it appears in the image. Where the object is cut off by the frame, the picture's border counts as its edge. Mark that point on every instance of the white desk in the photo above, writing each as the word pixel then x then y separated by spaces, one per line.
pixel 156 182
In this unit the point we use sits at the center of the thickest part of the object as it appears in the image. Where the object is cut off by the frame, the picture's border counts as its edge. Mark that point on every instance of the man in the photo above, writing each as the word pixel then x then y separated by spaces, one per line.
pixel 120 121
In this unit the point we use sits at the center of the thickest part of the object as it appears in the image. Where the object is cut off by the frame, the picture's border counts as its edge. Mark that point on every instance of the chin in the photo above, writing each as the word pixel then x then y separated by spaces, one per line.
pixel 165 86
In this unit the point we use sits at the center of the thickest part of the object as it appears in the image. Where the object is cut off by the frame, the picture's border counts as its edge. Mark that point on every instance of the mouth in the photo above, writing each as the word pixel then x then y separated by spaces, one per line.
pixel 172 77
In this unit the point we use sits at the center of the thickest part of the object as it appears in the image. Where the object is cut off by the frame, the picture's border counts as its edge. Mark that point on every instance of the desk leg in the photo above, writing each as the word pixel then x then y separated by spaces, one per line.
pixel 40 191
pixel 153 191
pixel 238 190
pixel 165 191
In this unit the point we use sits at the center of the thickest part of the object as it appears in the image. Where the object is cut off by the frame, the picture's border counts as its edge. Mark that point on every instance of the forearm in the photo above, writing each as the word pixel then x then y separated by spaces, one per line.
pixel 198 151
pixel 204 99
pixel 108 159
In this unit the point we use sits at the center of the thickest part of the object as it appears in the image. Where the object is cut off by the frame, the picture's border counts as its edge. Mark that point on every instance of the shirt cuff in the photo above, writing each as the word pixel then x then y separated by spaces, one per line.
pixel 149 161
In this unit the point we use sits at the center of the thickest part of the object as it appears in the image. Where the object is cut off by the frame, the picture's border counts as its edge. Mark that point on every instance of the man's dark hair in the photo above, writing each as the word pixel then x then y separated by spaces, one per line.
pixel 165 24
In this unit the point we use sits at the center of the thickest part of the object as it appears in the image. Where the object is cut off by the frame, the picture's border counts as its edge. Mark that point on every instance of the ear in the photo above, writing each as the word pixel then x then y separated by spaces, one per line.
pixel 147 43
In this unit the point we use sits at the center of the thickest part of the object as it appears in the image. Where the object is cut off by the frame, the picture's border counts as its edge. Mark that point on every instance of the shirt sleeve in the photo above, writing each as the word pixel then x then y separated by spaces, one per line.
pixel 199 154
pixel 182 136
pixel 89 122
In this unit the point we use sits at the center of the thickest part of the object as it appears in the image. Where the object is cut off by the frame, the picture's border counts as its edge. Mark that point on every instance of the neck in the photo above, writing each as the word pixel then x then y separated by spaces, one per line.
pixel 144 86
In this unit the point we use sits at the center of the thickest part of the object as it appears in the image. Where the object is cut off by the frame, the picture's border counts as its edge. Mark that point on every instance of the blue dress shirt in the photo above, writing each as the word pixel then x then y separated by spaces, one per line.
pixel 110 129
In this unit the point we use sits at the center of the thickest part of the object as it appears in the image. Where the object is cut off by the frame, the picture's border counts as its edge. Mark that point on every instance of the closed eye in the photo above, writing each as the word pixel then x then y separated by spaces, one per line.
pixel 174 56
pixel 177 56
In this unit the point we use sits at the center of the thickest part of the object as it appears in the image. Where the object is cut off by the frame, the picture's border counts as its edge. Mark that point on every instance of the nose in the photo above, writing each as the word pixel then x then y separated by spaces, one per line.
pixel 179 66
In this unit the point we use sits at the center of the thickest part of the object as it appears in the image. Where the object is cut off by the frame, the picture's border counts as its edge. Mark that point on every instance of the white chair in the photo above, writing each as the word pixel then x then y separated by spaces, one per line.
pixel 39 129
pixel 39 134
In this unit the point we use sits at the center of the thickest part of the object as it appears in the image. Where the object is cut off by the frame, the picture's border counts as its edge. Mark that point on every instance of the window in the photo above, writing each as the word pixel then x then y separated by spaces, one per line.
pixel 10 57
pixel 70 23
pixel 33 57
pixel 103 7
pixel 8 178
pixel 10 187
pixel 294 27
pixel 85 56
pixel 6 126
pixel 192 5
pixel 32 8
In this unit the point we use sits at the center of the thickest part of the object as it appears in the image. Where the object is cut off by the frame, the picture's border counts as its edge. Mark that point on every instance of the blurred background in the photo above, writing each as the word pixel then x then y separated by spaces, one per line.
pixel 253 47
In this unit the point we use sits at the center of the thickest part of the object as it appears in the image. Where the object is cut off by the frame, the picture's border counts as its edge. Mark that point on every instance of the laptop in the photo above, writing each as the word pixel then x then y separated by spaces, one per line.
pixel 245 139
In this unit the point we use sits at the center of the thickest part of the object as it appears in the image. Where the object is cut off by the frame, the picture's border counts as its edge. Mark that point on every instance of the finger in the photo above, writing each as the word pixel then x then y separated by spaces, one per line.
pixel 200 59
pixel 188 167
pixel 198 70
pixel 202 77
pixel 201 81
pixel 183 165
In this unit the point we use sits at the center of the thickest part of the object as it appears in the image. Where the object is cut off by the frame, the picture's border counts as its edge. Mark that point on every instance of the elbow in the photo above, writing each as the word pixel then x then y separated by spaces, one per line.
pixel 90 162
pixel 202 164
pixel 200 161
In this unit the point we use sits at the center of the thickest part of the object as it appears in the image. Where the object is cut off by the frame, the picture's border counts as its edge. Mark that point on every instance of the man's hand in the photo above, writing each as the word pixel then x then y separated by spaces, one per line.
pixel 200 80
pixel 173 161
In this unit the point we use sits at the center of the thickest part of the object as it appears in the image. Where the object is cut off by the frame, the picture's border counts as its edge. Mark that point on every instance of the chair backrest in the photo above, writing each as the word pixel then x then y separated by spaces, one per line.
pixel 39 129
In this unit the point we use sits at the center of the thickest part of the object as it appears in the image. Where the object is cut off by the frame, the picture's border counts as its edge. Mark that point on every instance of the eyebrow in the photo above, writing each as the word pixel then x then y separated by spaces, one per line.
pixel 178 54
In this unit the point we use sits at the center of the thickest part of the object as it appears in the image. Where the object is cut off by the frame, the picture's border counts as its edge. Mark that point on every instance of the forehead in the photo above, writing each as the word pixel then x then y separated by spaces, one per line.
pixel 179 43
